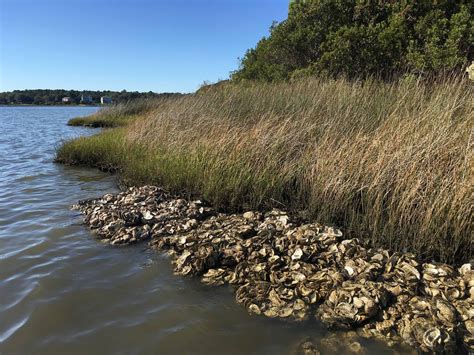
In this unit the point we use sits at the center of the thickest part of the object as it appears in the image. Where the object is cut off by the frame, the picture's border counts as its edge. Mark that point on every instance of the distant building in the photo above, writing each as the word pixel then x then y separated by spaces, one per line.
pixel 86 99
pixel 105 100
pixel 67 100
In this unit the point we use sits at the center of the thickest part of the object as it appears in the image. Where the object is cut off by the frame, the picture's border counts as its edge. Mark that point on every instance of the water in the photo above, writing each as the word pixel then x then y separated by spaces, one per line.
pixel 63 292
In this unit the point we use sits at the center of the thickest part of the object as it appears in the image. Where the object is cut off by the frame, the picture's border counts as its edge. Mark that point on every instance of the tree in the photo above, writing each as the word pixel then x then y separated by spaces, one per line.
pixel 359 38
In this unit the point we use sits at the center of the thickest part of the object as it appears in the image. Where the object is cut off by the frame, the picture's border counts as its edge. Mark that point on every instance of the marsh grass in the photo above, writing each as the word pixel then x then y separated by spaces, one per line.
pixel 391 162
pixel 119 114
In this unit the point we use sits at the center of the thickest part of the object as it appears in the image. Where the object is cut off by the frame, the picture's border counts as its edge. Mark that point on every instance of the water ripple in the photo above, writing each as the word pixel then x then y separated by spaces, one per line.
pixel 12 329
pixel 17 250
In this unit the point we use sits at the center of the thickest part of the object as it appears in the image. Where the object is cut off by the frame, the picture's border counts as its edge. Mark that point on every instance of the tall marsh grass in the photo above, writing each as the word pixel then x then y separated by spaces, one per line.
pixel 392 162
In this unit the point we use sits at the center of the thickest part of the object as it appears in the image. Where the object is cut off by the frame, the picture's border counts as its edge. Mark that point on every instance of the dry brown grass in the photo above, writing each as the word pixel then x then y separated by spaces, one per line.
pixel 391 162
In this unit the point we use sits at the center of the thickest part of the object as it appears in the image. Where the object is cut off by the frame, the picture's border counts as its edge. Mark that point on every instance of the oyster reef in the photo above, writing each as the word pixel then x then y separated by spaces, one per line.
pixel 301 272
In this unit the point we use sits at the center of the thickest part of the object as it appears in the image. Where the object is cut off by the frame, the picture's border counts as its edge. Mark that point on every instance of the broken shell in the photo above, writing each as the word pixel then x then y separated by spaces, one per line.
pixel 297 254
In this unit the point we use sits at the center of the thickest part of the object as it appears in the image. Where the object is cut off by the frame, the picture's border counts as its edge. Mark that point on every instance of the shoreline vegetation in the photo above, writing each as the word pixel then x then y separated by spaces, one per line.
pixel 117 115
pixel 390 162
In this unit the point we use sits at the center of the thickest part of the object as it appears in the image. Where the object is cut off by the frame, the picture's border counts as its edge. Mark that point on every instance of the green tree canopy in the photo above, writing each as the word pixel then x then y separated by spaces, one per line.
pixel 357 38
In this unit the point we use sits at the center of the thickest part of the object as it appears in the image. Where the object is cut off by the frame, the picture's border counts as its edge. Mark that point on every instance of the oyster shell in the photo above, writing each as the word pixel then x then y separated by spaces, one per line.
pixel 352 304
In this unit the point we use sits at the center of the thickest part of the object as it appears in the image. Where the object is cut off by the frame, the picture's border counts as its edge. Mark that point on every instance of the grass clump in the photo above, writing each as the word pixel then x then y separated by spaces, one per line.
pixel 105 151
pixel 100 120
pixel 119 114
pixel 391 162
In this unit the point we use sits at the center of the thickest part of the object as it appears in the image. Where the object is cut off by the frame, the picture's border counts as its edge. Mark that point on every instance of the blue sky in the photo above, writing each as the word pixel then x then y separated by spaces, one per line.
pixel 136 45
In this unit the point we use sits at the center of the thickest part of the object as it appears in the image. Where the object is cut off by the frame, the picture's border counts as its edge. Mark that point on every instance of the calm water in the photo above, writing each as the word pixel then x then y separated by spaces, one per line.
pixel 63 292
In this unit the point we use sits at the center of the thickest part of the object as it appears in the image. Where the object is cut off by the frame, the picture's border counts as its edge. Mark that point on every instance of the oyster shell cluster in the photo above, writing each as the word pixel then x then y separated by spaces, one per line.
pixel 282 269
pixel 347 342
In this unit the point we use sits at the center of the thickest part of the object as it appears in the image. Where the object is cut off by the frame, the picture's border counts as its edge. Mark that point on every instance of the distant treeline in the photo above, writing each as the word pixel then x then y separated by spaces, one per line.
pixel 54 97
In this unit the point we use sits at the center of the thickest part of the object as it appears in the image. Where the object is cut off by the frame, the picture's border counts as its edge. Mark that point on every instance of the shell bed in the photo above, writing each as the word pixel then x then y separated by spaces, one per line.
pixel 283 269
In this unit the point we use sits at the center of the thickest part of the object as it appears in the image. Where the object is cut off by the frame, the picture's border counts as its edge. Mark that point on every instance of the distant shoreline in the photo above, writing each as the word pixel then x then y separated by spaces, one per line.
pixel 59 97
pixel 68 105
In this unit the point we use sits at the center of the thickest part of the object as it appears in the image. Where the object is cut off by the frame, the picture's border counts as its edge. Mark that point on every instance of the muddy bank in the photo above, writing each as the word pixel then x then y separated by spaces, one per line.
pixel 284 269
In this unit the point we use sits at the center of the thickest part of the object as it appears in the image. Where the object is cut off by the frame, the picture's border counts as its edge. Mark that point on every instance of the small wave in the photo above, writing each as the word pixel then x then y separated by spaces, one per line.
pixel 17 251
pixel 11 330
pixel 20 297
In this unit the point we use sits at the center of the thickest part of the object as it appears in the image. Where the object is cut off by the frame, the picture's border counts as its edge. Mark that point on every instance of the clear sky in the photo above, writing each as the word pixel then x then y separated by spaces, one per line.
pixel 136 45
